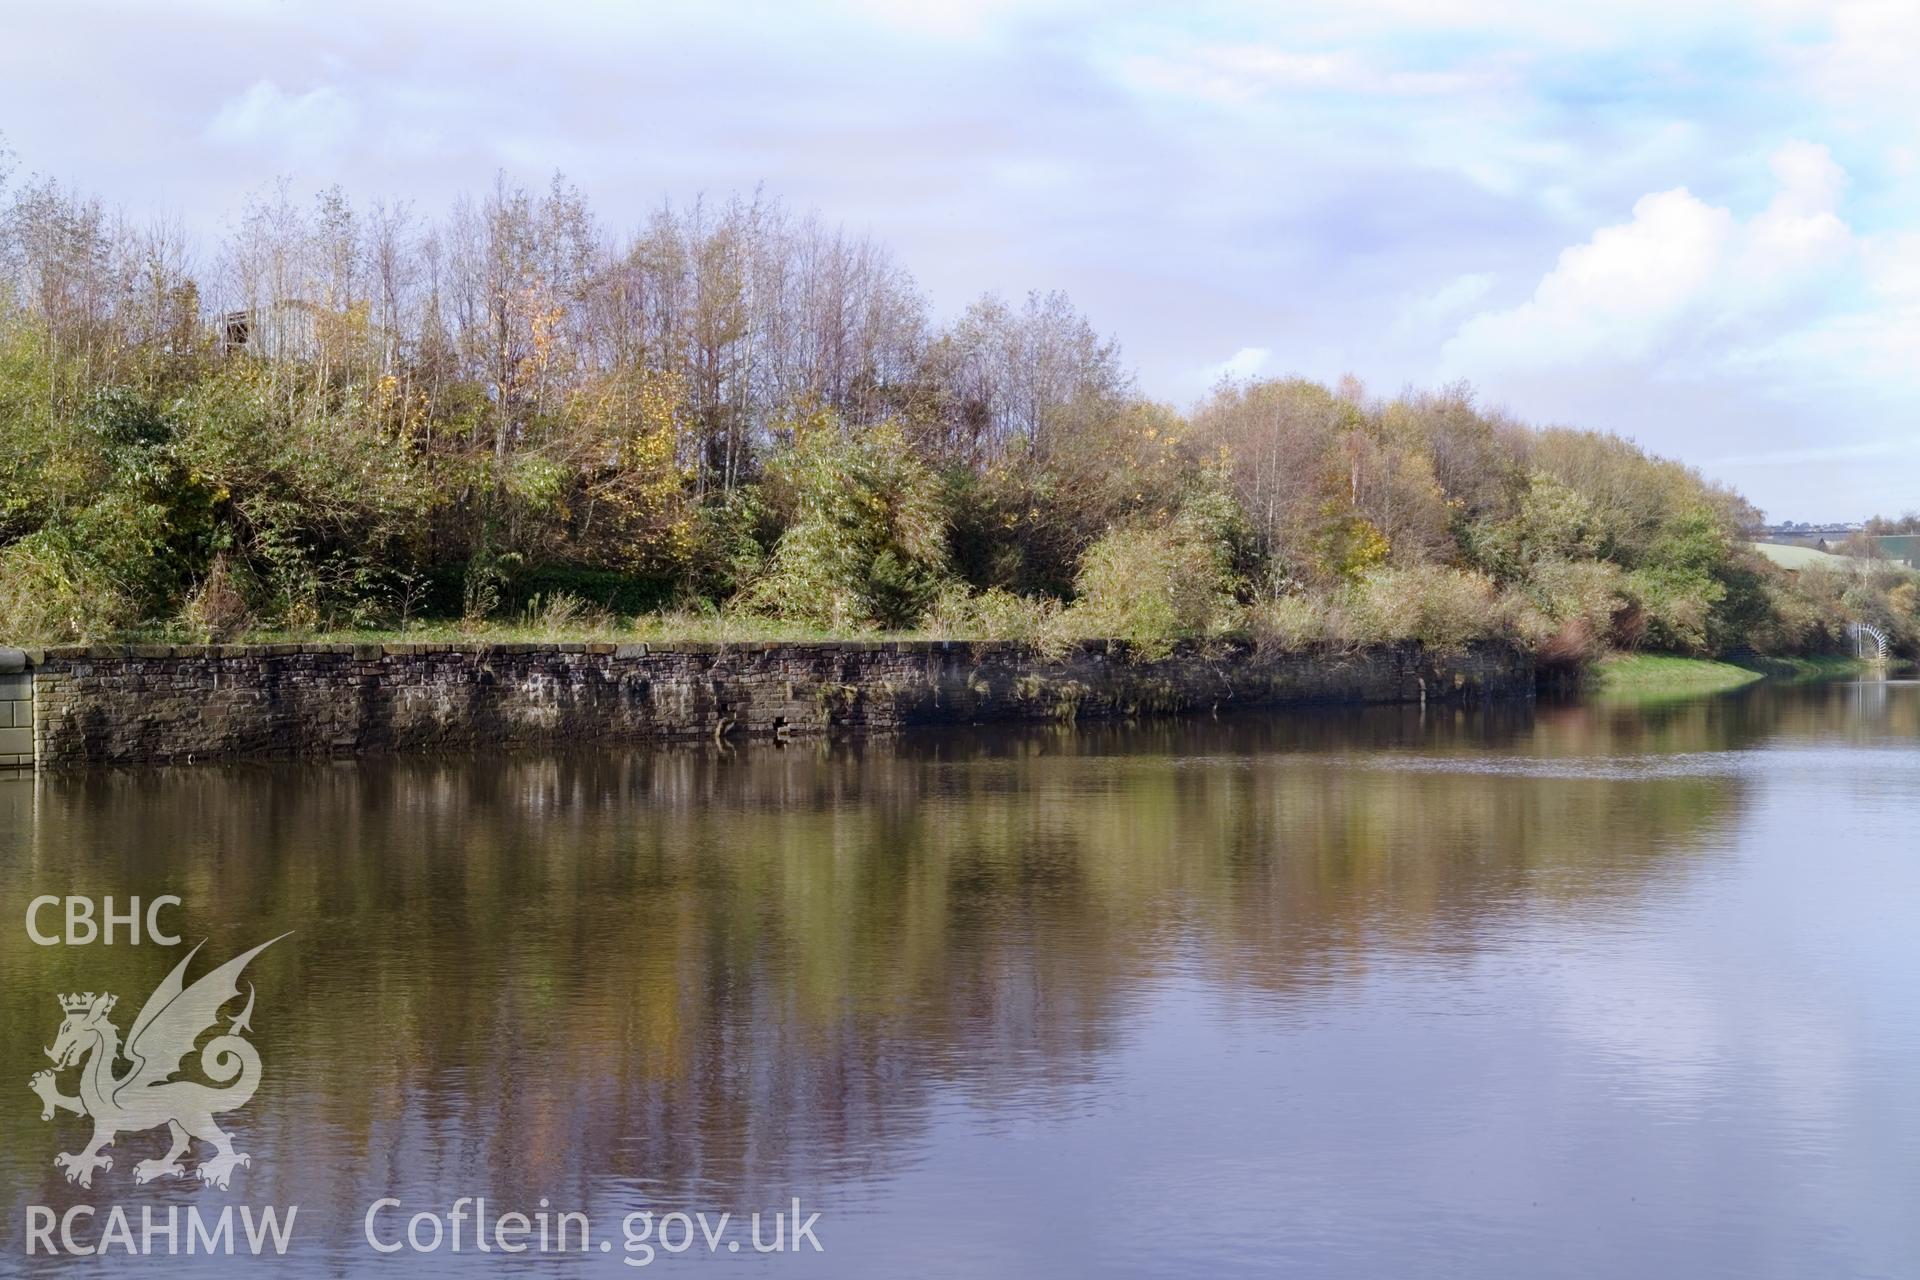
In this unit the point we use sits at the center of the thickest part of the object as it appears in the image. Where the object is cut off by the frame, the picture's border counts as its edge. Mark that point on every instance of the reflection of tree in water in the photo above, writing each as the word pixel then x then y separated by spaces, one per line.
pixel 707 973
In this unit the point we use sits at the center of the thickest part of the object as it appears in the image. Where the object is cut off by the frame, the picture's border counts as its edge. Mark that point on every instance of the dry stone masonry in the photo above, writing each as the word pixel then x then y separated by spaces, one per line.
pixel 123 704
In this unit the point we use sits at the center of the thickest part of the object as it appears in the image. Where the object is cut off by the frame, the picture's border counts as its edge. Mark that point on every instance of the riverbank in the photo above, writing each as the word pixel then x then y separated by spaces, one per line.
pixel 127 704
pixel 1664 675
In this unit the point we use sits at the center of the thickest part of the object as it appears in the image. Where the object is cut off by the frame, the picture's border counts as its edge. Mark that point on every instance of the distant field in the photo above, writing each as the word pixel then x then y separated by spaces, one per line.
pixel 1789 557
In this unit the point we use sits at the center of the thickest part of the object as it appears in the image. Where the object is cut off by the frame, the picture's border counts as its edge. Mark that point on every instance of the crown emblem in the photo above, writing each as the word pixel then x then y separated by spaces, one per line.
pixel 81 1003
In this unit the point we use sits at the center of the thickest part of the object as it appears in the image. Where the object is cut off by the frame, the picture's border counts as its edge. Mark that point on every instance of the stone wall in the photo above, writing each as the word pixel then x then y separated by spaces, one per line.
pixel 125 704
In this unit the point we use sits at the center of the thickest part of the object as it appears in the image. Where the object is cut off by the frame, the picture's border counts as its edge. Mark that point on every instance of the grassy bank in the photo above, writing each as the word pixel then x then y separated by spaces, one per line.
pixel 656 627
pixel 1830 666
pixel 1640 675
pixel 1660 675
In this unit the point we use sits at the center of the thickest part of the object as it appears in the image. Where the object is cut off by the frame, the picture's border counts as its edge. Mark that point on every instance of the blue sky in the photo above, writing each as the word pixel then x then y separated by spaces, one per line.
pixel 1694 224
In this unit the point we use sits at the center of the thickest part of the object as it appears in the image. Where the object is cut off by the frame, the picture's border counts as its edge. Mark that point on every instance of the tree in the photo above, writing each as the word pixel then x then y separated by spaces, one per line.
pixel 866 530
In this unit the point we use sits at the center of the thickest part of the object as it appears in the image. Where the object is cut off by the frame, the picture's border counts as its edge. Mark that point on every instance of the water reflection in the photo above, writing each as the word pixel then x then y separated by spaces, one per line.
pixel 874 973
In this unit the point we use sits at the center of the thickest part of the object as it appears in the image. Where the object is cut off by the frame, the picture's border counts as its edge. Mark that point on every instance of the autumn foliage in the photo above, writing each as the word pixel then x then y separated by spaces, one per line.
pixel 351 416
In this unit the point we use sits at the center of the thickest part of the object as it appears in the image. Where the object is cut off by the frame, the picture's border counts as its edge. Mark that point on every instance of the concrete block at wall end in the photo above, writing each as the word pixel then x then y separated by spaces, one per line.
pixel 16 685
pixel 16 741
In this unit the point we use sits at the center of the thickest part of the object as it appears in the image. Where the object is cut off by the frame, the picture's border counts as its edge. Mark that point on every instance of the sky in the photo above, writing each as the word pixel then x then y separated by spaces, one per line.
pixel 1696 225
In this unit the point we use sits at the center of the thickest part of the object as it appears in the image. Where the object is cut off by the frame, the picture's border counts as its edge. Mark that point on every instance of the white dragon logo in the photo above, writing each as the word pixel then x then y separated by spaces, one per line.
pixel 146 1095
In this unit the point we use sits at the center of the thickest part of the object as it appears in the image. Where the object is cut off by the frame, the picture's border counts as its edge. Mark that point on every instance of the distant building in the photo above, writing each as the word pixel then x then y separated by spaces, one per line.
pixel 1797 533
pixel 281 331
pixel 1902 548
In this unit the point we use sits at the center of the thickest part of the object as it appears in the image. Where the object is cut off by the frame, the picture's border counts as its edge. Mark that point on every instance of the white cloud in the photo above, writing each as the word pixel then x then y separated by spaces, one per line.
pixel 1615 295
pixel 1869 50
pixel 1238 73
pixel 1244 363
pixel 1439 309
pixel 1873 342
pixel 1679 276
pixel 266 115
pixel 1801 229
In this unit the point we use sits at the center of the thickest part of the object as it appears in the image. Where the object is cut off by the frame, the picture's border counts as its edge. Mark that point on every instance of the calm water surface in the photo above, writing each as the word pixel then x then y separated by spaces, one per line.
pixel 1564 991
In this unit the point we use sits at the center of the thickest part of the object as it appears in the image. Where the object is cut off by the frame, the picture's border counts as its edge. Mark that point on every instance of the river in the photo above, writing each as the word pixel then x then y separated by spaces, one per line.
pixel 1571 990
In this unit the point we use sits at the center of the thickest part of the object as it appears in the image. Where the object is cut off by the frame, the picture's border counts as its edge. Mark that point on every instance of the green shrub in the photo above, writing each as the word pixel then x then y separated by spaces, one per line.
pixel 49 593
pixel 1677 608
pixel 726 546
pixel 1679 580
pixel 867 539
pixel 1795 621
pixel 1439 607
pixel 605 590
pixel 1572 611
pixel 995 614
pixel 1298 621
pixel 1154 586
